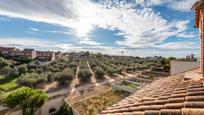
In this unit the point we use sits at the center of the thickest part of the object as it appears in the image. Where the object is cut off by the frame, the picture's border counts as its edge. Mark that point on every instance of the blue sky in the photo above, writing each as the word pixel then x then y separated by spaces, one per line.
pixel 136 27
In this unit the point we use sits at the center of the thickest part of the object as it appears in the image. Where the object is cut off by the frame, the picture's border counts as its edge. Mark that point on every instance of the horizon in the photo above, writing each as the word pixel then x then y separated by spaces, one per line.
pixel 138 27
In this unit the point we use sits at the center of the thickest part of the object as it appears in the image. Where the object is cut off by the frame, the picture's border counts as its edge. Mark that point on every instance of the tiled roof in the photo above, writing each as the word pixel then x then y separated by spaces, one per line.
pixel 173 95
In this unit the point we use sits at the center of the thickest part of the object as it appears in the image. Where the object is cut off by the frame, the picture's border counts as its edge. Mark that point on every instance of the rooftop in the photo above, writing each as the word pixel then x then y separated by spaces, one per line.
pixel 196 7
pixel 179 94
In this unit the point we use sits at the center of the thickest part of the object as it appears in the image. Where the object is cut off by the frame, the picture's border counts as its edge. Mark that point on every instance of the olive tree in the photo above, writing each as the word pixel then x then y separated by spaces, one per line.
pixel 84 75
pixel 22 69
pixel 27 99
pixel 99 72
pixel 110 71
pixel 32 79
pixel 64 76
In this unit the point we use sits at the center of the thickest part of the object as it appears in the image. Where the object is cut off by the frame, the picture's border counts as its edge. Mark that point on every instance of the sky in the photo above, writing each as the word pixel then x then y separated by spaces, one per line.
pixel 134 27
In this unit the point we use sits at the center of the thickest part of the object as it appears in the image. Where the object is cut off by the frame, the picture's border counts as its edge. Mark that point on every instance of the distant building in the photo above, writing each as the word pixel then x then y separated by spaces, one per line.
pixel 30 53
pixel 45 55
pixel 191 58
pixel 58 54
pixel 7 50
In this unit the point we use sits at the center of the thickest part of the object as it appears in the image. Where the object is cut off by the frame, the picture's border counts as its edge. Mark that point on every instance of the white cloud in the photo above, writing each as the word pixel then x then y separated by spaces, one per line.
pixel 188 35
pixel 141 27
pixel 34 29
pixel 182 5
pixel 25 42
pixel 178 46
pixel 177 5
pixel 35 43
pixel 178 49
pixel 92 43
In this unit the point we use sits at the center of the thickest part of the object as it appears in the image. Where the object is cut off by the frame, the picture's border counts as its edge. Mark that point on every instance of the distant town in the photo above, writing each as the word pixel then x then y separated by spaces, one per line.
pixel 13 52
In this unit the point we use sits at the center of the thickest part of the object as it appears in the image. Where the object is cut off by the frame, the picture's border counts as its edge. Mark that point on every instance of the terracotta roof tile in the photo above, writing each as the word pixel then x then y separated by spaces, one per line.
pixel 168 96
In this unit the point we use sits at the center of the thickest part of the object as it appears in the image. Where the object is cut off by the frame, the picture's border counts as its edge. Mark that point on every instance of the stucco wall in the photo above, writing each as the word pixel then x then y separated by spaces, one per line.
pixel 177 67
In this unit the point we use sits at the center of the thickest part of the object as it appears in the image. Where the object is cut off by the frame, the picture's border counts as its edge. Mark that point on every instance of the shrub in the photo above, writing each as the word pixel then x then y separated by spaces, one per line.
pixel 22 69
pixel 71 65
pixel 50 76
pixel 84 75
pixel 64 76
pixel 6 70
pixel 45 68
pixel 65 110
pixel 110 71
pixel 32 66
pixel 13 73
pixel 119 70
pixel 99 72
pixel 3 63
pixel 32 79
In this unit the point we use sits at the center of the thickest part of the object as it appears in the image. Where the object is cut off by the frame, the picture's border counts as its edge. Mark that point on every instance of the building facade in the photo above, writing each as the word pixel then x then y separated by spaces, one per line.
pixel 198 7
pixel 29 53
pixel 45 55
pixel 58 54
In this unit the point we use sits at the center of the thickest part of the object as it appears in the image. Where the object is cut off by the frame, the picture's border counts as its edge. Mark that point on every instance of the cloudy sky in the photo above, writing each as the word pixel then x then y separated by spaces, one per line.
pixel 136 27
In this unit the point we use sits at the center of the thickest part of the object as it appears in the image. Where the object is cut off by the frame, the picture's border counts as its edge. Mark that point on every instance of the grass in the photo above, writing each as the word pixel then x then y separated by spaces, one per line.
pixel 133 86
pixel 129 85
pixel 9 85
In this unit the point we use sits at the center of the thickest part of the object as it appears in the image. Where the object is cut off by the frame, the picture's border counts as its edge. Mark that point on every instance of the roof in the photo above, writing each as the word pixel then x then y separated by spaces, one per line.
pixel 173 95
pixel 196 7
pixel 28 49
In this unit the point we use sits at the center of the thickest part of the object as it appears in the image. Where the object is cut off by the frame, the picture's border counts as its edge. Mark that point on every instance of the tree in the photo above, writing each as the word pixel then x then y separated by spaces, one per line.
pixel 84 75
pixel 99 72
pixel 65 110
pixel 13 73
pixel 3 63
pixel 22 69
pixel 110 71
pixel 27 99
pixel 64 76
pixel 6 70
pixel 32 79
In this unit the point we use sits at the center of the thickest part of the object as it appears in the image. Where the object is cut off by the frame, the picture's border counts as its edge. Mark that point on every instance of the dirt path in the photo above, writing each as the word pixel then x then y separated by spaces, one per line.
pixel 51 85
pixel 75 81
pixel 120 76
pixel 110 80
pixel 128 74
pixel 93 78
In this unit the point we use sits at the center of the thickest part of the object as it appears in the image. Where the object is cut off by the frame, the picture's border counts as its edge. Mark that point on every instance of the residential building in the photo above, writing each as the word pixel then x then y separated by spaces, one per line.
pixel 199 23
pixel 58 54
pixel 7 50
pixel 193 58
pixel 45 55
pixel 30 53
